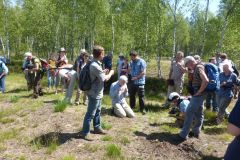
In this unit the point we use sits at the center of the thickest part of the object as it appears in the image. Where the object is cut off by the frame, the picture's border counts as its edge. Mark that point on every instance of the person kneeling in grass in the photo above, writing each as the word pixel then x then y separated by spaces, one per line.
pixel 118 92
pixel 180 107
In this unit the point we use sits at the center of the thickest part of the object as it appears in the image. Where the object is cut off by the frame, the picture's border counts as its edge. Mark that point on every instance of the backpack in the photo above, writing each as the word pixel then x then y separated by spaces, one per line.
pixel 84 78
pixel 213 75
pixel 3 59
pixel 44 64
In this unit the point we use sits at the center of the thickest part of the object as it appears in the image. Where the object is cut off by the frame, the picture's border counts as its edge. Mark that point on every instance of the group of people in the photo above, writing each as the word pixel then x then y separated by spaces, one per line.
pixel 215 82
pixel 131 81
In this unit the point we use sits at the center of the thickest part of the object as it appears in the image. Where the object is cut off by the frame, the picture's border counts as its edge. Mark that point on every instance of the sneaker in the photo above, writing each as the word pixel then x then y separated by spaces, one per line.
pixel 85 137
pixel 99 131
pixel 77 103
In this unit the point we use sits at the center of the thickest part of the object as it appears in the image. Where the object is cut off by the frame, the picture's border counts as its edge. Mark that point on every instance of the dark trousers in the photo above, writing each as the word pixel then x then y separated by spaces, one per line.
pixel 140 90
pixel 35 79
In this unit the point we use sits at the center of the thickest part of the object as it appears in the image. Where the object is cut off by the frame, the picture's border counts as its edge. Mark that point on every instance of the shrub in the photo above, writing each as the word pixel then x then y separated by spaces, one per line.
pixel 113 151
pixel 60 106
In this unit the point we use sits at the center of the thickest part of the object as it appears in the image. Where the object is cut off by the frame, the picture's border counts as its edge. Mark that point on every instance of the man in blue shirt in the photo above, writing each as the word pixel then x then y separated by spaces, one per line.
pixel 3 73
pixel 137 71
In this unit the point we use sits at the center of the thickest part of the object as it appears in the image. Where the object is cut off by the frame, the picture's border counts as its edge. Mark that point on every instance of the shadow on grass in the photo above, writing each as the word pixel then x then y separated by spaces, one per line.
pixel 106 111
pixel 170 124
pixel 151 107
pixel 51 101
pixel 17 90
pixel 209 157
pixel 53 137
pixel 215 130
pixel 163 136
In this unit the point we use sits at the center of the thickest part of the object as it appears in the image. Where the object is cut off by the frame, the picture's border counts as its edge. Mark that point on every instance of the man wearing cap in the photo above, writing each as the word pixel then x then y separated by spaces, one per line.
pixel 181 103
pixel 32 66
pixel 137 71
pixel 195 108
pixel 118 92
pixel 95 94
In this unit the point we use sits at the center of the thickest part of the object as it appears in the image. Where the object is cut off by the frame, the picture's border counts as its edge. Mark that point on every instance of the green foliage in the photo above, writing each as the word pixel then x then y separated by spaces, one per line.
pixel 106 125
pixel 68 157
pixel 52 147
pixel 107 138
pixel 14 99
pixel 7 120
pixel 113 151
pixel 9 134
pixel 60 106
pixel 125 140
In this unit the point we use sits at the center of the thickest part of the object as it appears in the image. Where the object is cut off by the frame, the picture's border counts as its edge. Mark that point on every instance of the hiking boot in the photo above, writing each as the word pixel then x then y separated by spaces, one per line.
pixel 143 112
pixel 191 135
pixel 179 139
pixel 35 96
pixel 85 137
pixel 99 131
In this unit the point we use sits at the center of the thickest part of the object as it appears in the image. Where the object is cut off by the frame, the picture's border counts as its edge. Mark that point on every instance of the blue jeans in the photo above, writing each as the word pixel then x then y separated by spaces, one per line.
pixel 223 103
pixel 211 101
pixel 93 112
pixel 194 111
pixel 2 84
pixel 51 79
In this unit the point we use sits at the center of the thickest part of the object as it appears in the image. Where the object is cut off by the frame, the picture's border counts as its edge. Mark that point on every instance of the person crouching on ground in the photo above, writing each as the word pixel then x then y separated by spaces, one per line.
pixel 33 67
pixel 181 105
pixel 118 92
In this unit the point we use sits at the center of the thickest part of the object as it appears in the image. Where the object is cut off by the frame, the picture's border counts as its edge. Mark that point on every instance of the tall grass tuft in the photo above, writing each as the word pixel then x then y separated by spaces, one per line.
pixel 14 99
pixel 60 106
pixel 105 125
pixel 113 151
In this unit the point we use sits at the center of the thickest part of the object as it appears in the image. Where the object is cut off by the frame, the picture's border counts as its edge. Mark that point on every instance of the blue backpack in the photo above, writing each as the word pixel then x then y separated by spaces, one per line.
pixel 213 75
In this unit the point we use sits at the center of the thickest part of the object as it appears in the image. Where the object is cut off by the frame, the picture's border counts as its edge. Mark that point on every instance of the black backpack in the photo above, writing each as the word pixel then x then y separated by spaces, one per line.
pixel 84 78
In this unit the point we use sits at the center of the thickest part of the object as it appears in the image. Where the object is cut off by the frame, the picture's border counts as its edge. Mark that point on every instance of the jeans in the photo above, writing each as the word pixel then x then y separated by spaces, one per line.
pixel 211 100
pixel 194 111
pixel 93 112
pixel 223 103
pixel 133 90
pixel 51 78
pixel 2 84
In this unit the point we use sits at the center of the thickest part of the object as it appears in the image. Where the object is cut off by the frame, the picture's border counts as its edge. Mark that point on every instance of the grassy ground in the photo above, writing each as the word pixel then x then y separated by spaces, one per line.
pixel 45 128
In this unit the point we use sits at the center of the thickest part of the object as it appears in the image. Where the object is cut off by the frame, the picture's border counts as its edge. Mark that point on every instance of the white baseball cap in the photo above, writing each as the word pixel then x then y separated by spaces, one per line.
pixel 83 51
pixel 62 50
pixel 172 96
pixel 27 54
